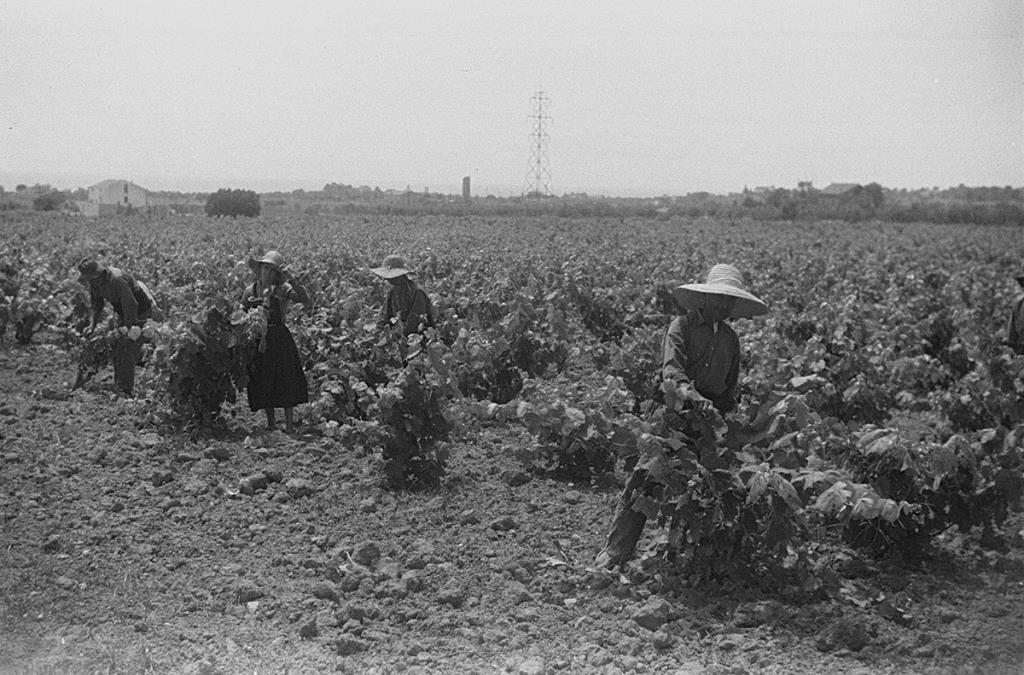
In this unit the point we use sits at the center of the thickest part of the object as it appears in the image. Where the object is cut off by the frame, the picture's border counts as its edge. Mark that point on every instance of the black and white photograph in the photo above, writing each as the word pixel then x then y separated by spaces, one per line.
pixel 512 337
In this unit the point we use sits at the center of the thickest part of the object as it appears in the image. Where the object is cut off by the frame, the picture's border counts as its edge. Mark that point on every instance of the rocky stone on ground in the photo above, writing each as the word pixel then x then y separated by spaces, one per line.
pixel 347 646
pixel 366 554
pixel 325 592
pixel 515 477
pixel 298 488
pixel 503 524
pixel 309 630
pixel 653 614
pixel 252 483
pixel 451 595
pixel 218 452
pixel 752 614
pixel 531 666
pixel 843 633
pixel 161 477
pixel 662 640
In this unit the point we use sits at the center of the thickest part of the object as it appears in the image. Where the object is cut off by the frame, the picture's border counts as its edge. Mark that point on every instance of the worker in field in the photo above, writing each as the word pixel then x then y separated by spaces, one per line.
pixel 1015 332
pixel 276 379
pixel 407 306
pixel 701 354
pixel 134 305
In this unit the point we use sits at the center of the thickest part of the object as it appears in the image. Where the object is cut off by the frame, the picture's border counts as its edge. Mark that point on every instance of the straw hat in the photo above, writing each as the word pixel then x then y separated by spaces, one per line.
pixel 88 269
pixel 392 267
pixel 722 280
pixel 272 258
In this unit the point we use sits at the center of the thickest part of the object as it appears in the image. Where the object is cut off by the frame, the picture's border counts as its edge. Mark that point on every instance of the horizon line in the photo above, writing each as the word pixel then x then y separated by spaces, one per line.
pixel 285 185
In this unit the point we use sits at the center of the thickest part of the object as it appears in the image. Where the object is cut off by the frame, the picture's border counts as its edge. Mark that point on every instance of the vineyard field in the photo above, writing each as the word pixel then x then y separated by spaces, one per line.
pixel 440 506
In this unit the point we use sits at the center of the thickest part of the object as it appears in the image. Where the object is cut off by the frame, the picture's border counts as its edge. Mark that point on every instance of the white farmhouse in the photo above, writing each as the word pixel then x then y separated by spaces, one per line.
pixel 116 196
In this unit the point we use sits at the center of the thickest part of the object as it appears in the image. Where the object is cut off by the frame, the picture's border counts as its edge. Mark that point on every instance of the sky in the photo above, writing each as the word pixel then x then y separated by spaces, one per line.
pixel 642 98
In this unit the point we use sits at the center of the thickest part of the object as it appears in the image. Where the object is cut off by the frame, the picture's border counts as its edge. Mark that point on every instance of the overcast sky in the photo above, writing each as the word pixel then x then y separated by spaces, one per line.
pixel 644 98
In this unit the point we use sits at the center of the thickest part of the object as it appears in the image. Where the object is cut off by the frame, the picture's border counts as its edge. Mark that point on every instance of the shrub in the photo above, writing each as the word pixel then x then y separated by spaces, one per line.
pixel 225 202
pixel 51 201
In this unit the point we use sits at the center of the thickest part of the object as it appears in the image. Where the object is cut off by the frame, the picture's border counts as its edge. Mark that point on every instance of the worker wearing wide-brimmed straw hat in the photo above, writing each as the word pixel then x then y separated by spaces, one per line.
pixel 699 347
pixel 407 305
pixel 276 379
pixel 1015 331
pixel 701 354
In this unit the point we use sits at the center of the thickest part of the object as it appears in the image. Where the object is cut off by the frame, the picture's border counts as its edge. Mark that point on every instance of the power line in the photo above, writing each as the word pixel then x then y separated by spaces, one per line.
pixel 538 177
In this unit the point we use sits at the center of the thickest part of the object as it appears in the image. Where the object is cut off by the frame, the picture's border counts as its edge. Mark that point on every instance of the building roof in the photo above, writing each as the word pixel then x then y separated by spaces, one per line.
pixel 114 181
pixel 839 188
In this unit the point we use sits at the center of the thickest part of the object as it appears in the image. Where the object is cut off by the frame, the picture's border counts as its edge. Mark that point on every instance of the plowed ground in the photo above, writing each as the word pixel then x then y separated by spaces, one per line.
pixel 128 547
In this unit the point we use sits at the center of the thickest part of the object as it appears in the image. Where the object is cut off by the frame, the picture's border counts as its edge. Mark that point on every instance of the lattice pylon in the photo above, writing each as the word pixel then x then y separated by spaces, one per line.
pixel 538 177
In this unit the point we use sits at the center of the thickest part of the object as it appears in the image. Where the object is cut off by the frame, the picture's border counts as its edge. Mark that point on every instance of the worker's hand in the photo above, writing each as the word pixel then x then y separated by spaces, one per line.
pixel 701 404
pixel 693 398
pixel 281 290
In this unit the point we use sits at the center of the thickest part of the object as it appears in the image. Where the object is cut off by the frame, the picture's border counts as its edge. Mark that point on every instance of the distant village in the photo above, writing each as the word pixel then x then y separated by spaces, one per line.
pixel 852 202
pixel 106 198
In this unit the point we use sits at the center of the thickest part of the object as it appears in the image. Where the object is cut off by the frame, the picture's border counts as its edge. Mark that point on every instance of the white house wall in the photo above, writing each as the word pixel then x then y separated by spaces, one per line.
pixel 124 193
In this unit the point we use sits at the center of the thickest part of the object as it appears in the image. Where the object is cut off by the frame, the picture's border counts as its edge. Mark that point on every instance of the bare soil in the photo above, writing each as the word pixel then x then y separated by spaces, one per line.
pixel 130 547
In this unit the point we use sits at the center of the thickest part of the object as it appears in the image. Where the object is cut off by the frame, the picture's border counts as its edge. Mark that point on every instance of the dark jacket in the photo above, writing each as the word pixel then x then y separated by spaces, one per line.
pixel 704 354
pixel 1015 331
pixel 409 306
pixel 130 301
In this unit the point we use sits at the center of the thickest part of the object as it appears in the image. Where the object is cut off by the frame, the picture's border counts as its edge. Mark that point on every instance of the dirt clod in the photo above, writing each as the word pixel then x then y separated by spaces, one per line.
pixel 503 524
pixel 653 614
pixel 347 646
pixel 309 630
pixel 299 487
pixel 451 595
pixel 843 633
pixel 367 554
pixel 220 453
pixel 252 483
pixel 515 478
pixel 662 640
pixel 161 478
pixel 531 666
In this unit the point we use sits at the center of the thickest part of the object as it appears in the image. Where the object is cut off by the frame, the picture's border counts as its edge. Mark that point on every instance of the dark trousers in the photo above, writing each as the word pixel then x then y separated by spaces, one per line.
pixel 126 355
pixel 628 523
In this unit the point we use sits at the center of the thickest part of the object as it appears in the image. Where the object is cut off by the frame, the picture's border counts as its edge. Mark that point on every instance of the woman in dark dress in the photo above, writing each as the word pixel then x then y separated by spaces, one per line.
pixel 276 380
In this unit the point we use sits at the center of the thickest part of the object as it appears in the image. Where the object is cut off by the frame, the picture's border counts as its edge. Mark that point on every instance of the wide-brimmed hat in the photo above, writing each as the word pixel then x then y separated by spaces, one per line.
pixel 722 280
pixel 393 266
pixel 272 258
pixel 88 269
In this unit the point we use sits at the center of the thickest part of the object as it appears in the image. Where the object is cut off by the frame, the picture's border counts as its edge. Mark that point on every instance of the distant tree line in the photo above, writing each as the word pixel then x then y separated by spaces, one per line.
pixel 983 206
pixel 962 204
pixel 225 202
pixel 993 206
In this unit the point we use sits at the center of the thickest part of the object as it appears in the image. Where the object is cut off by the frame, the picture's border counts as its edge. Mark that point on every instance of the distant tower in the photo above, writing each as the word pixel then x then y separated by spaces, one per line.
pixel 465 188
pixel 538 178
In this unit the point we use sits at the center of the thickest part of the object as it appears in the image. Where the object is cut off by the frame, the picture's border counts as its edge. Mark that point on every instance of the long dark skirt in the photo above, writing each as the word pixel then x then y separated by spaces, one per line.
pixel 277 380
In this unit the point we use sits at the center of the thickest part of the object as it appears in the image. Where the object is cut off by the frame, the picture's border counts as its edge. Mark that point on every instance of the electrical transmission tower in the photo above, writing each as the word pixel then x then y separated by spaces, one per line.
pixel 538 178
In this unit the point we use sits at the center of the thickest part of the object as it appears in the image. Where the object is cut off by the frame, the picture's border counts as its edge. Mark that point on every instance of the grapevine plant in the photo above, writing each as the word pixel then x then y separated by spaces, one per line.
pixel 208 360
